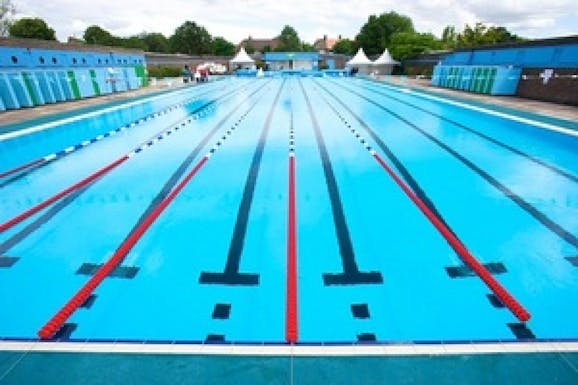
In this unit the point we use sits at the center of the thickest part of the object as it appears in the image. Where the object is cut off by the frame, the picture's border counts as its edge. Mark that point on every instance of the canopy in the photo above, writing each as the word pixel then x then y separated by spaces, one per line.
pixel 242 58
pixel 359 59
pixel 385 58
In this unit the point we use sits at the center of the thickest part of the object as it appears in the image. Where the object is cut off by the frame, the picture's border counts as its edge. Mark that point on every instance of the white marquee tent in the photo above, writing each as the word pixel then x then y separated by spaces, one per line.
pixel 385 63
pixel 241 59
pixel 360 61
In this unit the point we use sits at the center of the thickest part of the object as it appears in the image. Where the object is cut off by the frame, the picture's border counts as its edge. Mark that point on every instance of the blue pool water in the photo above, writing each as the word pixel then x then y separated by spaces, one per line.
pixel 370 267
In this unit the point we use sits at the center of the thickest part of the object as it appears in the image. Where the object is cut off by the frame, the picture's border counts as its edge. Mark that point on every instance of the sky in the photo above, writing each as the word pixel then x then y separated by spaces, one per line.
pixel 237 19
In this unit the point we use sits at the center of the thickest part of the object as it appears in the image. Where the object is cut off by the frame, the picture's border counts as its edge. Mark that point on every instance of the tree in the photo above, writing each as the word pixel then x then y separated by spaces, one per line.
pixel 449 37
pixel 345 46
pixel 375 35
pixel 222 47
pixel 155 42
pixel 7 10
pixel 32 28
pixel 306 47
pixel 96 35
pixel 134 42
pixel 289 40
pixel 407 45
pixel 190 38
pixel 480 34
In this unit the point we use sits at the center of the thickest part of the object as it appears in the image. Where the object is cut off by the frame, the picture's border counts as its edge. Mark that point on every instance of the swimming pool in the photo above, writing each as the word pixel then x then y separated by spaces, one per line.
pixel 262 211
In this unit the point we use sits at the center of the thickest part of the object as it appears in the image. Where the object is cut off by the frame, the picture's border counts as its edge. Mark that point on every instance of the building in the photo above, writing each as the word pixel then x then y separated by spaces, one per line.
pixel 325 44
pixel 38 72
pixel 259 45
pixel 545 69
pixel 277 61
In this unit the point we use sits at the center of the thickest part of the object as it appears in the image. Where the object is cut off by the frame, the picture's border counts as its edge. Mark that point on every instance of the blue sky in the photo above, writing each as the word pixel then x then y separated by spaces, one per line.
pixel 237 19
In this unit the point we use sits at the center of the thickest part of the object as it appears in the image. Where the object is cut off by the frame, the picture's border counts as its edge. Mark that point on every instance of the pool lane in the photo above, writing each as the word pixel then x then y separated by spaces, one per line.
pixel 531 254
pixel 101 217
pixel 63 133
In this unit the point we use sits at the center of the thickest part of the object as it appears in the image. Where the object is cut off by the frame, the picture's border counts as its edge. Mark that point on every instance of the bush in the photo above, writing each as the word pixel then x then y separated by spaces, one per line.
pixel 164 72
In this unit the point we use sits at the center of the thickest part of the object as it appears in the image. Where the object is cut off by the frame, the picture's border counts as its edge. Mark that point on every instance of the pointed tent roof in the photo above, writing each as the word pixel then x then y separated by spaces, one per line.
pixel 359 59
pixel 241 57
pixel 385 58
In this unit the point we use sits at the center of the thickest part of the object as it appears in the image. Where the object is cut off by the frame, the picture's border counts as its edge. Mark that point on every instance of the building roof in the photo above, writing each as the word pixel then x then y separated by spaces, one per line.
pixel 526 43
pixel 73 45
pixel 260 44
pixel 325 44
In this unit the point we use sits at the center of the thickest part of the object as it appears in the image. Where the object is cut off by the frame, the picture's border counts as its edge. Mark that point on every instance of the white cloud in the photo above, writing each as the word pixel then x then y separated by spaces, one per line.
pixel 236 19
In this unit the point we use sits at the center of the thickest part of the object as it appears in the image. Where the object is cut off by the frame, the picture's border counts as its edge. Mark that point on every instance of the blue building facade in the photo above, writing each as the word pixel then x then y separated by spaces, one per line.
pixel 514 69
pixel 40 73
pixel 299 61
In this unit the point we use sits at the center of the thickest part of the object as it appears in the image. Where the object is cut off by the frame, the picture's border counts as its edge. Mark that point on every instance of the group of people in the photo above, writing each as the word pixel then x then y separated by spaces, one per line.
pixel 199 76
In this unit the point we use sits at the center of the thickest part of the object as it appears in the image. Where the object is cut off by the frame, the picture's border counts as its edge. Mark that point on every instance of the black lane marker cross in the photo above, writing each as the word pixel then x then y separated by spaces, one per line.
pixel 351 274
pixel 231 275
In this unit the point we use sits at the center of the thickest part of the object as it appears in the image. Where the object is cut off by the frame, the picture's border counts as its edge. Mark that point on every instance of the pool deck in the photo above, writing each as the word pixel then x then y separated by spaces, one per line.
pixel 560 111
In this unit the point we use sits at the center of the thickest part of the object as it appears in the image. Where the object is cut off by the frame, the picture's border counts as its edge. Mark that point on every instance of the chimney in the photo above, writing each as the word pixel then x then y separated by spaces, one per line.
pixel 324 37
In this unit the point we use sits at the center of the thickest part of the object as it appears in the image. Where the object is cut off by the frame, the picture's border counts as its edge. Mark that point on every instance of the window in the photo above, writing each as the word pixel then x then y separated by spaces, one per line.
pixel 41 60
pixel 54 61
pixel 74 60
pixel 14 59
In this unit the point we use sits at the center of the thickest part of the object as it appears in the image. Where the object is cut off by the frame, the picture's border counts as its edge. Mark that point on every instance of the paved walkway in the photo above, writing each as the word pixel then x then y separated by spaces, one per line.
pixel 535 106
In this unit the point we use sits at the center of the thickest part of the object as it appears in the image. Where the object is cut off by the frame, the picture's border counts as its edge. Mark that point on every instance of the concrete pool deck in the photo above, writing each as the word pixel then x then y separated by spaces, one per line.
pixel 560 111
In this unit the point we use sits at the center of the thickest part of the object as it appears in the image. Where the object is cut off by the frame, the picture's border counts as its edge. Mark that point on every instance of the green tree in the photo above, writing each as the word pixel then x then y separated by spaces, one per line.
pixel 306 47
pixel 375 35
pixel 407 45
pixel 96 35
pixel 7 10
pixel 249 48
pixel 32 28
pixel 289 40
pixel 132 42
pixel 155 42
pixel 480 34
pixel 190 38
pixel 345 46
pixel 449 37
pixel 222 47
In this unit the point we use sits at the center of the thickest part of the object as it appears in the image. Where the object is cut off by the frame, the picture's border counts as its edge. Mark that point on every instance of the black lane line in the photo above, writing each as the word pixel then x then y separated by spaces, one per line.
pixel 173 180
pixel 231 274
pixel 404 172
pixel 351 274
pixel 533 211
pixel 551 167
pixel 60 205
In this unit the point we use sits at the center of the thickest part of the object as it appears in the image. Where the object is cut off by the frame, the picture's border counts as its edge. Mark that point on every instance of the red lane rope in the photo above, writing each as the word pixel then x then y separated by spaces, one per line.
pixel 19 218
pixel 507 299
pixel 20 168
pixel 291 311
pixel 55 323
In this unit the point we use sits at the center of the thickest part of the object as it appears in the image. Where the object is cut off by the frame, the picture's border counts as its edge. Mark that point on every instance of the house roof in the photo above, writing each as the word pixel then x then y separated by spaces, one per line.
pixel 325 44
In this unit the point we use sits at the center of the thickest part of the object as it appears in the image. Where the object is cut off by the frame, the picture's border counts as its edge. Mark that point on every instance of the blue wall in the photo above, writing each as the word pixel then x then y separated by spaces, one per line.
pixel 554 56
pixel 37 76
